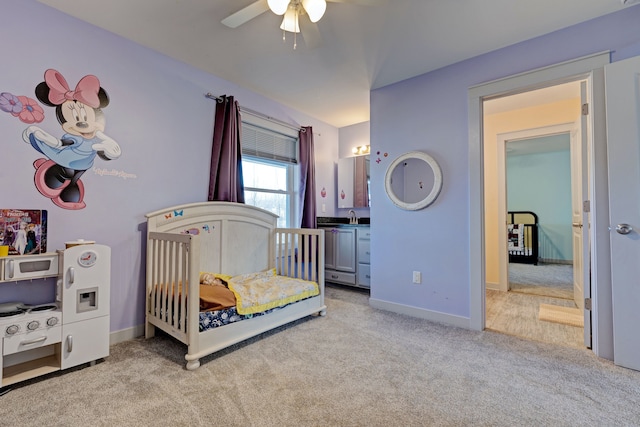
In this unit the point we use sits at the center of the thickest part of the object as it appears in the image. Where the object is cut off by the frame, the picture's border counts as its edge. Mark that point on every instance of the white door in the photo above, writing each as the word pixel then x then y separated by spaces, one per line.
pixel 580 215
pixel 584 240
pixel 346 249
pixel 85 341
pixel 576 215
pixel 86 279
pixel 623 148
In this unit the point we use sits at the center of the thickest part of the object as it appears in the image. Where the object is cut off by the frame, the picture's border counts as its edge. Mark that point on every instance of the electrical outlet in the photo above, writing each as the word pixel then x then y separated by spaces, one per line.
pixel 324 208
pixel 417 277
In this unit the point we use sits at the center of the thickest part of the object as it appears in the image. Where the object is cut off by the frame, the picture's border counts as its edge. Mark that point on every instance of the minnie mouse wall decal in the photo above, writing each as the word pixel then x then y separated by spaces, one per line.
pixel 79 112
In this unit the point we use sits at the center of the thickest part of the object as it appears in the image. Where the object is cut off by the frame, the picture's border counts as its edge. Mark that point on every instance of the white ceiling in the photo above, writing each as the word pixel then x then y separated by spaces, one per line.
pixel 363 47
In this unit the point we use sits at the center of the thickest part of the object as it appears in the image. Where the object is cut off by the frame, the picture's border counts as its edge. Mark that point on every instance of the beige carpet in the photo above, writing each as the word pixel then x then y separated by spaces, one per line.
pixel 552 280
pixel 564 315
pixel 355 367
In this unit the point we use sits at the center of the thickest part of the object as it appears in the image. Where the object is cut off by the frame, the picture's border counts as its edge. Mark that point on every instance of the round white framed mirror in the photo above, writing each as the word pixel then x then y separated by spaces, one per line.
pixel 413 181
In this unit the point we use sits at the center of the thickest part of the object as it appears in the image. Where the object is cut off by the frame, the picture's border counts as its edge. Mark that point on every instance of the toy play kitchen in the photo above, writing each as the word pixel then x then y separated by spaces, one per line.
pixel 73 329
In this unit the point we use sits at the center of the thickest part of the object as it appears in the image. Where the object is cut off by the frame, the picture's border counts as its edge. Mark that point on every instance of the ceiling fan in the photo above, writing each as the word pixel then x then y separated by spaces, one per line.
pixel 292 10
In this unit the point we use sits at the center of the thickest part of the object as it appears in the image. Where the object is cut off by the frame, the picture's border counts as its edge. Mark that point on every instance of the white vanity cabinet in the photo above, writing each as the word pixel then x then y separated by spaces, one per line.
pixel 347 252
pixel 340 255
pixel 364 258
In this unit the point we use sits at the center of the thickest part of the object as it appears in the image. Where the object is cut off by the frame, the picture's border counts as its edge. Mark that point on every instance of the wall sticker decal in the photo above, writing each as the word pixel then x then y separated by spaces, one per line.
pixel 79 112
pixel 26 109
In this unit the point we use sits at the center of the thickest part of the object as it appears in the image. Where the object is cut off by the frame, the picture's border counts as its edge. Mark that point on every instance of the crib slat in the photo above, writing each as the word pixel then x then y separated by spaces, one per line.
pixel 297 253
pixel 181 322
pixel 168 286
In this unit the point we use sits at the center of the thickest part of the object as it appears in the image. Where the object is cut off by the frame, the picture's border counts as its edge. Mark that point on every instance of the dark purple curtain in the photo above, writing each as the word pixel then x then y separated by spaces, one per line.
pixel 225 180
pixel 307 179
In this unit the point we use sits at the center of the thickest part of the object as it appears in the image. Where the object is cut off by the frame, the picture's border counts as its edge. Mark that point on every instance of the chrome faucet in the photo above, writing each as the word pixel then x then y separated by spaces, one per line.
pixel 353 219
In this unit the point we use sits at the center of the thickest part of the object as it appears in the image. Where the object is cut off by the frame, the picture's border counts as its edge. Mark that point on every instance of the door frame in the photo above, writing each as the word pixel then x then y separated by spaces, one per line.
pixel 590 68
pixel 503 138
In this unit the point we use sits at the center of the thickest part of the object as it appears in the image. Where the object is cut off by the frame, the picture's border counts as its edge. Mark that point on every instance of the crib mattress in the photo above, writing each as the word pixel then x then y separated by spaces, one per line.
pixel 262 293
pixel 216 318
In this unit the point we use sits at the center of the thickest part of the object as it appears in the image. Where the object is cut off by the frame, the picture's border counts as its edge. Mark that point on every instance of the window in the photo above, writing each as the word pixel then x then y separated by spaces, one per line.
pixel 269 168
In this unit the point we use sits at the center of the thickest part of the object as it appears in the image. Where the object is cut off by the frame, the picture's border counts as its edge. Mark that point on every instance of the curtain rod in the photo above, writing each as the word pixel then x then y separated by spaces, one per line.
pixel 258 114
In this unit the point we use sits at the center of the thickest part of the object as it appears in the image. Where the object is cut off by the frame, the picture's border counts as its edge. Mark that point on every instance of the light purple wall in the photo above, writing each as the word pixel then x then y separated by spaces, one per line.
pixel 429 113
pixel 159 116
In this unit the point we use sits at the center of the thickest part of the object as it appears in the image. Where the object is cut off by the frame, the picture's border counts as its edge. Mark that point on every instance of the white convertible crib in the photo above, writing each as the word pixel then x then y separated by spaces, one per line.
pixel 234 241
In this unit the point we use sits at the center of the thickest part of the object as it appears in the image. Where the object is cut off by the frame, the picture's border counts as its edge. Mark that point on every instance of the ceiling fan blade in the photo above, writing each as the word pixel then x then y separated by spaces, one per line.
pixel 310 34
pixel 246 14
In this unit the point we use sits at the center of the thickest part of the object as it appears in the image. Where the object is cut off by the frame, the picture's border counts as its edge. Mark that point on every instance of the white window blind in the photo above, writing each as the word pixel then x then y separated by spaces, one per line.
pixel 267 144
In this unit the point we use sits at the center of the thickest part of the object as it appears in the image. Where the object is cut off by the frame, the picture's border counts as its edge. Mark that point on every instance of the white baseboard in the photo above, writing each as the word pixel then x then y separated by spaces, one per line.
pixel 126 334
pixel 494 286
pixel 434 316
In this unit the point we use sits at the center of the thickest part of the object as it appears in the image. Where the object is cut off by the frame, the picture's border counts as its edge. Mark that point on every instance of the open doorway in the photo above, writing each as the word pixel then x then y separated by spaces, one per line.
pixel 538 205
pixel 598 313
pixel 529 168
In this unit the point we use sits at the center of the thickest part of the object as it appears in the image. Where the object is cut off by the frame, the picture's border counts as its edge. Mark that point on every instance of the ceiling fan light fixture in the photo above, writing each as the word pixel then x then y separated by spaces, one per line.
pixel 290 21
pixel 315 9
pixel 279 7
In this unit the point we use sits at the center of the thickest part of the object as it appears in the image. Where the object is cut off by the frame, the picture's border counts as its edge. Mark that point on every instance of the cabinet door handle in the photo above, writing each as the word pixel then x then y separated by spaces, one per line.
pixel 10 269
pixel 33 341
pixel 72 275
pixel 69 343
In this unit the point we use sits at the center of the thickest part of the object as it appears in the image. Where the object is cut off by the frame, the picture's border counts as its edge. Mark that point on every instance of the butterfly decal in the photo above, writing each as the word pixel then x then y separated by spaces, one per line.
pixel 178 213
pixel 168 216
pixel 207 228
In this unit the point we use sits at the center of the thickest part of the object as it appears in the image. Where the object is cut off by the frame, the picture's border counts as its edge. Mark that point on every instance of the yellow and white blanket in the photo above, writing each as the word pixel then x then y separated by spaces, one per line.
pixel 257 292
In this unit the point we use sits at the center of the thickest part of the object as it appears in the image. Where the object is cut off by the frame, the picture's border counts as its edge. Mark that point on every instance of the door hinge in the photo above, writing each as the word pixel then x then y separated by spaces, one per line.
pixel 586 206
pixel 585 109
pixel 587 303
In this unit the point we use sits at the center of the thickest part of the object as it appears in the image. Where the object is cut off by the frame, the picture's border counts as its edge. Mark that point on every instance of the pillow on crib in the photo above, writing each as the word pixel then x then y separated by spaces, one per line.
pixel 213 278
pixel 216 297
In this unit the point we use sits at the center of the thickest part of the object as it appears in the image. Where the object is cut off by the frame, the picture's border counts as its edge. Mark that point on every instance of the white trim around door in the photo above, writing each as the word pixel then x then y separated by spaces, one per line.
pixel 587 68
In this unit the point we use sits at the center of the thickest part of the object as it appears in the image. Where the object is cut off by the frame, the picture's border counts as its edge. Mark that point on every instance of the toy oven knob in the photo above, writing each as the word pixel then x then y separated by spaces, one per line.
pixel 52 321
pixel 12 329
pixel 33 325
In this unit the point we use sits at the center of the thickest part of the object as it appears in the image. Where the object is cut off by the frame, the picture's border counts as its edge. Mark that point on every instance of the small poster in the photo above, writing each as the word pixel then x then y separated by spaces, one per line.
pixel 24 231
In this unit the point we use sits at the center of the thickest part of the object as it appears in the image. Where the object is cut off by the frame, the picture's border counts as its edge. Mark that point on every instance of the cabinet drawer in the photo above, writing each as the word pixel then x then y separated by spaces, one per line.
pixel 31 340
pixel 29 266
pixel 364 251
pixel 340 277
pixel 364 233
pixel 364 275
